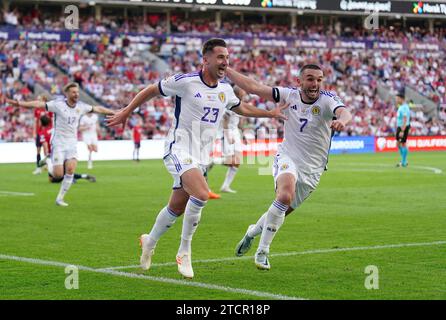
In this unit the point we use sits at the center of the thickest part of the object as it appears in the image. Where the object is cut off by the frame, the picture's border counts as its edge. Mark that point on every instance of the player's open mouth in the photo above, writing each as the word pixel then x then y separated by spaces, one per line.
pixel 313 91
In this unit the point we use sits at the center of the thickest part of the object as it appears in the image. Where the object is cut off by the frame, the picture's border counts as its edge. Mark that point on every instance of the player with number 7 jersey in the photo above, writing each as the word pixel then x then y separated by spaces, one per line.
pixel 313 116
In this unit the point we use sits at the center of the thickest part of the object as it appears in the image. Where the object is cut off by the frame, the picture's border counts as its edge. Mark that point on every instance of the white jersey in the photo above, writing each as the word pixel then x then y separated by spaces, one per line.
pixel 89 122
pixel 233 120
pixel 307 135
pixel 199 109
pixel 66 121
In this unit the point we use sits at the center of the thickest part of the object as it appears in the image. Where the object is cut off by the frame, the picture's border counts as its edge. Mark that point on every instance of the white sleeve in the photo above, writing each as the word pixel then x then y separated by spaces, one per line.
pixel 172 86
pixel 281 94
pixel 51 106
pixel 86 108
pixel 335 102
pixel 233 101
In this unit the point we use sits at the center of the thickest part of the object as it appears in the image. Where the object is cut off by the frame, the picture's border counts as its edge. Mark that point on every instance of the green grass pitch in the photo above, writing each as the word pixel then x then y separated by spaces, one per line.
pixel 362 201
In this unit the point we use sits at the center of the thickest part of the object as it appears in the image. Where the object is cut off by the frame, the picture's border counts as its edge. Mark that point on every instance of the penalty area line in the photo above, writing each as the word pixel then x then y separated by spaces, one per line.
pixel 293 253
pixel 187 283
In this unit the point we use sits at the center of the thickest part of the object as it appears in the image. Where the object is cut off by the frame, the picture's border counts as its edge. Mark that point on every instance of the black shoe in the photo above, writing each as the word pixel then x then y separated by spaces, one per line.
pixel 91 178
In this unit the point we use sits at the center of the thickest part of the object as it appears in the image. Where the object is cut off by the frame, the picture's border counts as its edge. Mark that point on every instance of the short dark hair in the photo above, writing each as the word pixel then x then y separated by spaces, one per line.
pixel 210 44
pixel 401 94
pixel 44 120
pixel 309 66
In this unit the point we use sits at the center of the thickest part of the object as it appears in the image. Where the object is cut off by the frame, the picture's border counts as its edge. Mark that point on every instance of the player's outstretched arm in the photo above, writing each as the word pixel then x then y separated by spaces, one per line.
pixel 102 110
pixel 248 110
pixel 250 85
pixel 144 95
pixel 343 118
pixel 26 104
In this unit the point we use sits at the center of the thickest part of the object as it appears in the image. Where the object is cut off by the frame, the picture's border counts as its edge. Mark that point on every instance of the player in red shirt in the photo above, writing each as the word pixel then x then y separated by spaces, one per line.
pixel 137 139
pixel 38 113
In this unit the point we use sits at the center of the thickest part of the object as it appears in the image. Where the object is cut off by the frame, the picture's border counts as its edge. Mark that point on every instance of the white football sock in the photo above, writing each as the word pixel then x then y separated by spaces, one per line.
pixel 191 220
pixel 274 220
pixel 49 165
pixel 165 219
pixel 258 226
pixel 66 184
pixel 230 174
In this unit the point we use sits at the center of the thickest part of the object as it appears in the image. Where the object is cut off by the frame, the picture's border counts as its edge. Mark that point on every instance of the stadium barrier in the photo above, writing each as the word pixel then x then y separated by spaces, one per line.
pixel 25 152
pixel 420 143
pixel 181 39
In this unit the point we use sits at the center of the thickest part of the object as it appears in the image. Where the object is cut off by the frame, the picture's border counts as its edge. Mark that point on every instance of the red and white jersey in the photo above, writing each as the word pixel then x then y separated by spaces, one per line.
pixel 38 113
pixel 45 136
pixel 199 109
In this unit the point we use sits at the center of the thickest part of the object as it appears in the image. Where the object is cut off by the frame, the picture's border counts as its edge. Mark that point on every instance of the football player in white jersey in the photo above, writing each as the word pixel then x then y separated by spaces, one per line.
pixel 201 99
pixel 89 127
pixel 232 143
pixel 67 113
pixel 303 155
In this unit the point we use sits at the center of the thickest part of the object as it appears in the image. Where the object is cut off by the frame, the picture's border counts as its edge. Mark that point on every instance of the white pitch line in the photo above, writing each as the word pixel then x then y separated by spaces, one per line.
pixel 293 253
pixel 433 169
pixel 12 193
pixel 259 294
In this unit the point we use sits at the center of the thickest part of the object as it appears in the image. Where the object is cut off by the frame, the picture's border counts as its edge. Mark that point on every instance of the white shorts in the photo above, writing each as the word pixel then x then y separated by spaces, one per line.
pixel 232 149
pixel 305 183
pixel 90 139
pixel 59 154
pixel 178 163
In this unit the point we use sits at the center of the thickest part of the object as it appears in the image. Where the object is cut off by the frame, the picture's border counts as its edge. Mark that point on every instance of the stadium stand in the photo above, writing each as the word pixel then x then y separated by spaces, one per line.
pixel 112 69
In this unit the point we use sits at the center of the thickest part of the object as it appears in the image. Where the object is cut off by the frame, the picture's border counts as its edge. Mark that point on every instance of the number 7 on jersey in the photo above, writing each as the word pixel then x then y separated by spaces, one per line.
pixel 304 122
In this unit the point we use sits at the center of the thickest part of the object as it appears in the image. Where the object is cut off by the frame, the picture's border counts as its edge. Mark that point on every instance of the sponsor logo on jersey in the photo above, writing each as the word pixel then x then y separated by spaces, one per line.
pixel 198 95
pixel 222 97
pixel 211 97
pixel 316 110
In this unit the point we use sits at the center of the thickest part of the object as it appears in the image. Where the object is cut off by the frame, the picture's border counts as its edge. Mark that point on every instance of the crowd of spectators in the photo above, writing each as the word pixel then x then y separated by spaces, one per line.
pixel 112 70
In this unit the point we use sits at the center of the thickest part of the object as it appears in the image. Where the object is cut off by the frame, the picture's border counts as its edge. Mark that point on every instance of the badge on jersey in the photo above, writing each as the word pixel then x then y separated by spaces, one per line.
pixel 316 110
pixel 222 97
pixel 284 166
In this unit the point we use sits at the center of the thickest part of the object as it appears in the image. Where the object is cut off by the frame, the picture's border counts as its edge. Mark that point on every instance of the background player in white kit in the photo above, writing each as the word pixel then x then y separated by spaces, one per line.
pixel 67 113
pixel 232 143
pixel 302 156
pixel 89 127
pixel 200 101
